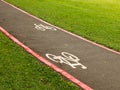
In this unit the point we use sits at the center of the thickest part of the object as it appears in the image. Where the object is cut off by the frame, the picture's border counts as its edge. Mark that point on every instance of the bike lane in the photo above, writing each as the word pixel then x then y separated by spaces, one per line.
pixel 101 67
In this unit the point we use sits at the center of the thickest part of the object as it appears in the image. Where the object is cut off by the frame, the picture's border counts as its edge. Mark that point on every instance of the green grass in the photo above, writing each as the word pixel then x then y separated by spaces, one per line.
pixel 21 71
pixel 97 20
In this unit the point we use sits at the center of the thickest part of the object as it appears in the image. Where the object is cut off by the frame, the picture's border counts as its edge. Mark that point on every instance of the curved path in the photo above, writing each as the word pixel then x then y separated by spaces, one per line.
pixel 86 63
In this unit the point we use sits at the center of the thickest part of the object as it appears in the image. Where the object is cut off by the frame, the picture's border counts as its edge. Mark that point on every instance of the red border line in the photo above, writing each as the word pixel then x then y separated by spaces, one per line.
pixel 104 47
pixel 45 61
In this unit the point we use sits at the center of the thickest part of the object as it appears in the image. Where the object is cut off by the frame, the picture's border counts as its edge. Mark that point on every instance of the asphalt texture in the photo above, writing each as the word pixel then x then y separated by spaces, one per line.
pixel 103 66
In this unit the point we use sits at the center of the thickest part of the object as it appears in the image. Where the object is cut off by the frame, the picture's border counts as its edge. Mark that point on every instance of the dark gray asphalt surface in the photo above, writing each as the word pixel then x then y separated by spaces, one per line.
pixel 102 71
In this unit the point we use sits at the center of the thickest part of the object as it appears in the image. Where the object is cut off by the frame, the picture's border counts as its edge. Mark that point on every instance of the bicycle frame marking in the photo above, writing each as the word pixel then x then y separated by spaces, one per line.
pixel 42 27
pixel 66 58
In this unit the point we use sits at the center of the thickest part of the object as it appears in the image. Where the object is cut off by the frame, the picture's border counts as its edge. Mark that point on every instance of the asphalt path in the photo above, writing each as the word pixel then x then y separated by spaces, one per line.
pixel 95 66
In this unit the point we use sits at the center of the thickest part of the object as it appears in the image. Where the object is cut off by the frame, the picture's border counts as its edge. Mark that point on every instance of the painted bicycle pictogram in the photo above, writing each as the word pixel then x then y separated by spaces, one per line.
pixel 42 27
pixel 66 58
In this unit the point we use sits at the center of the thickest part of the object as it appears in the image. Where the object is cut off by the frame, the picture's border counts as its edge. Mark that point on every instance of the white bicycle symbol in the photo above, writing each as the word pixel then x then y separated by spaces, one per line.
pixel 42 27
pixel 66 58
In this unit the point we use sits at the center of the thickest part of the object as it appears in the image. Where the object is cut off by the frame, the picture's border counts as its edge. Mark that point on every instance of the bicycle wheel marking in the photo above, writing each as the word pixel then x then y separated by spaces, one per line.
pixel 42 27
pixel 66 58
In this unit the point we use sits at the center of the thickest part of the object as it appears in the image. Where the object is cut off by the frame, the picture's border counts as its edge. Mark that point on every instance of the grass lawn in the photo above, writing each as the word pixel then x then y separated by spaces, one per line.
pixel 21 71
pixel 97 20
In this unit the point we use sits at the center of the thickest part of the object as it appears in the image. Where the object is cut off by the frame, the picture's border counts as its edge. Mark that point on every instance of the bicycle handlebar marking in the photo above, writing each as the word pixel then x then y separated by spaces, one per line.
pixel 42 27
pixel 66 58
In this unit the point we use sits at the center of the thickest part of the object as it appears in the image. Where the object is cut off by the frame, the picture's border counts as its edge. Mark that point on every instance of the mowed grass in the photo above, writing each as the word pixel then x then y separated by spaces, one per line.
pixel 21 71
pixel 97 20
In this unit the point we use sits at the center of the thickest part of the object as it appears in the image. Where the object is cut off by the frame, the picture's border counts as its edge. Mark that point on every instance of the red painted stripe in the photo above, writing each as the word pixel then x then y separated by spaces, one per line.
pixel 54 67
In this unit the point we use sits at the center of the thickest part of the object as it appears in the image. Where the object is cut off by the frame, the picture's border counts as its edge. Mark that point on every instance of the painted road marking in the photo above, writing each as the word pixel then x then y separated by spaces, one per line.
pixel 66 58
pixel 54 67
pixel 42 27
